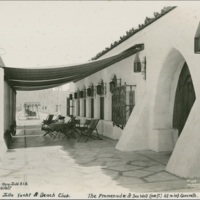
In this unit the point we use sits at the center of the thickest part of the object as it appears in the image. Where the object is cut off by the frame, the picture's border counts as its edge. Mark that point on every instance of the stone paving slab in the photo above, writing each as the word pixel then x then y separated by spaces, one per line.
pixel 123 168
pixel 161 176
pixel 137 173
pixel 143 163
pixel 54 165
pixel 129 181
pixel 155 168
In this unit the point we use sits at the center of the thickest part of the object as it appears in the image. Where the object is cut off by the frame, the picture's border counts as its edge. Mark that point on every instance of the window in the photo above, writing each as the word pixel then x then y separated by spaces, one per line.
pixel 197 40
pixel 68 106
pixel 92 107
pixel 84 113
pixel 101 107
pixel 78 107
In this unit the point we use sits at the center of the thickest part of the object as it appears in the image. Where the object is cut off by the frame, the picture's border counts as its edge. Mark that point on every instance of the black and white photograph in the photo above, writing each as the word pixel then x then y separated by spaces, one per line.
pixel 99 99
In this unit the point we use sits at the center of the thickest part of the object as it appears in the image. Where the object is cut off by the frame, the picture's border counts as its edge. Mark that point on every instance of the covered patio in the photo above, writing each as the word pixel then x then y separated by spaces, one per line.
pixel 78 169
pixel 29 79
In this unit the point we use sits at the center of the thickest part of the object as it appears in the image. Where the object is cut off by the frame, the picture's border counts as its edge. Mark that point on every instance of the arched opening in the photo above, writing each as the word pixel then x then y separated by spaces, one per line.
pixel 174 97
pixel 184 99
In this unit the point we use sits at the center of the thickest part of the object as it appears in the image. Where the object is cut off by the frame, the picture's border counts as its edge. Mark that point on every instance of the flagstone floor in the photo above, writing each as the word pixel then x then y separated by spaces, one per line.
pixel 79 169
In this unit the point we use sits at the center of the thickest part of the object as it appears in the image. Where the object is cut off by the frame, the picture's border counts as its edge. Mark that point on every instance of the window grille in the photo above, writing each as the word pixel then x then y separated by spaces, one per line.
pixel 123 102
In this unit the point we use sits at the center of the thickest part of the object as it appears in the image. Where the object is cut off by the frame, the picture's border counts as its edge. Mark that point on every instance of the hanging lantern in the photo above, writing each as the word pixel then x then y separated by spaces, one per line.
pixel 137 64
pixel 70 97
pixel 75 95
pixel 89 92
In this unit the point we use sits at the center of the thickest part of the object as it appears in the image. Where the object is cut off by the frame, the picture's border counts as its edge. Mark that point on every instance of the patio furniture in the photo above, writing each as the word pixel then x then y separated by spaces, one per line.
pixel 47 121
pixel 71 128
pixel 89 132
pixel 86 124
pixel 53 125
pixel 59 127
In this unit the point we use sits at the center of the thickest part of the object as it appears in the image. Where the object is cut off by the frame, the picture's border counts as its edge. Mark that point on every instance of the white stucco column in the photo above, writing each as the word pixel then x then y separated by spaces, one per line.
pixel 135 135
pixel 108 106
pixel 185 160
pixel 88 107
pixel 3 147
pixel 97 106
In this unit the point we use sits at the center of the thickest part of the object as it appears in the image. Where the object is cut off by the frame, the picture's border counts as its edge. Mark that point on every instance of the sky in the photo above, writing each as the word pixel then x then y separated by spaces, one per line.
pixel 51 33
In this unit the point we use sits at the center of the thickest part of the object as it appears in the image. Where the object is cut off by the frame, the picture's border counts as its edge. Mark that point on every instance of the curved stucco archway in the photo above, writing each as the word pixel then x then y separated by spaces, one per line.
pixel 162 127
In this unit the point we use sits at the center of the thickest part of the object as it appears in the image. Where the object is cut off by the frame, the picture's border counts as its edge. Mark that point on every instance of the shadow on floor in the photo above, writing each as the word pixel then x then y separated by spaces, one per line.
pixel 138 171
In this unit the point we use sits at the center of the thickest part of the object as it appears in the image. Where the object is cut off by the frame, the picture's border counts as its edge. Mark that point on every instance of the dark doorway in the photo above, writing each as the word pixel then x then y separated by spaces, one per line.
pixel 101 107
pixel 184 99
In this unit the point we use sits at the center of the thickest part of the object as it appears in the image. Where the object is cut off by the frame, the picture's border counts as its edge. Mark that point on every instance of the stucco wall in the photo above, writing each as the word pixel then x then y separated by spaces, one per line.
pixel 2 143
pixel 124 71
pixel 169 42
pixel 7 109
pixel 9 106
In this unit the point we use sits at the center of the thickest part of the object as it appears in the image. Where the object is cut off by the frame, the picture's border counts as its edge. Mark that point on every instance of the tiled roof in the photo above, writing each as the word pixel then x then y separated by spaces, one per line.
pixel 133 31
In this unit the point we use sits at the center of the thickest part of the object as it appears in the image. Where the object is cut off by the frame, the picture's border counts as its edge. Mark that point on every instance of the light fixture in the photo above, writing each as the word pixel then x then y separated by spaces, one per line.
pixel 81 94
pixel 137 64
pixel 197 40
pixel 114 84
pixel 89 92
pixel 101 88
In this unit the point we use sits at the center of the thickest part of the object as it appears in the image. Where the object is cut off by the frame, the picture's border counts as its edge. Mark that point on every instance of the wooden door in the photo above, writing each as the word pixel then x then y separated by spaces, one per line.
pixel 184 99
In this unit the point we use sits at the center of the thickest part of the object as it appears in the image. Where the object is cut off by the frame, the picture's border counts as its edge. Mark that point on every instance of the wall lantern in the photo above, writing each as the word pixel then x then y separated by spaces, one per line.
pixel 197 40
pixel 99 89
pixel 81 94
pixel 144 63
pixel 89 92
pixel 70 97
pixel 75 95
pixel 114 84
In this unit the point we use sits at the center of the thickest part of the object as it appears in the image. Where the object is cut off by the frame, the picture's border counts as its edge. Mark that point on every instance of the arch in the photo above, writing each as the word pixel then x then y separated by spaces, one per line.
pixel 165 91
pixel 184 99
pixel 163 109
